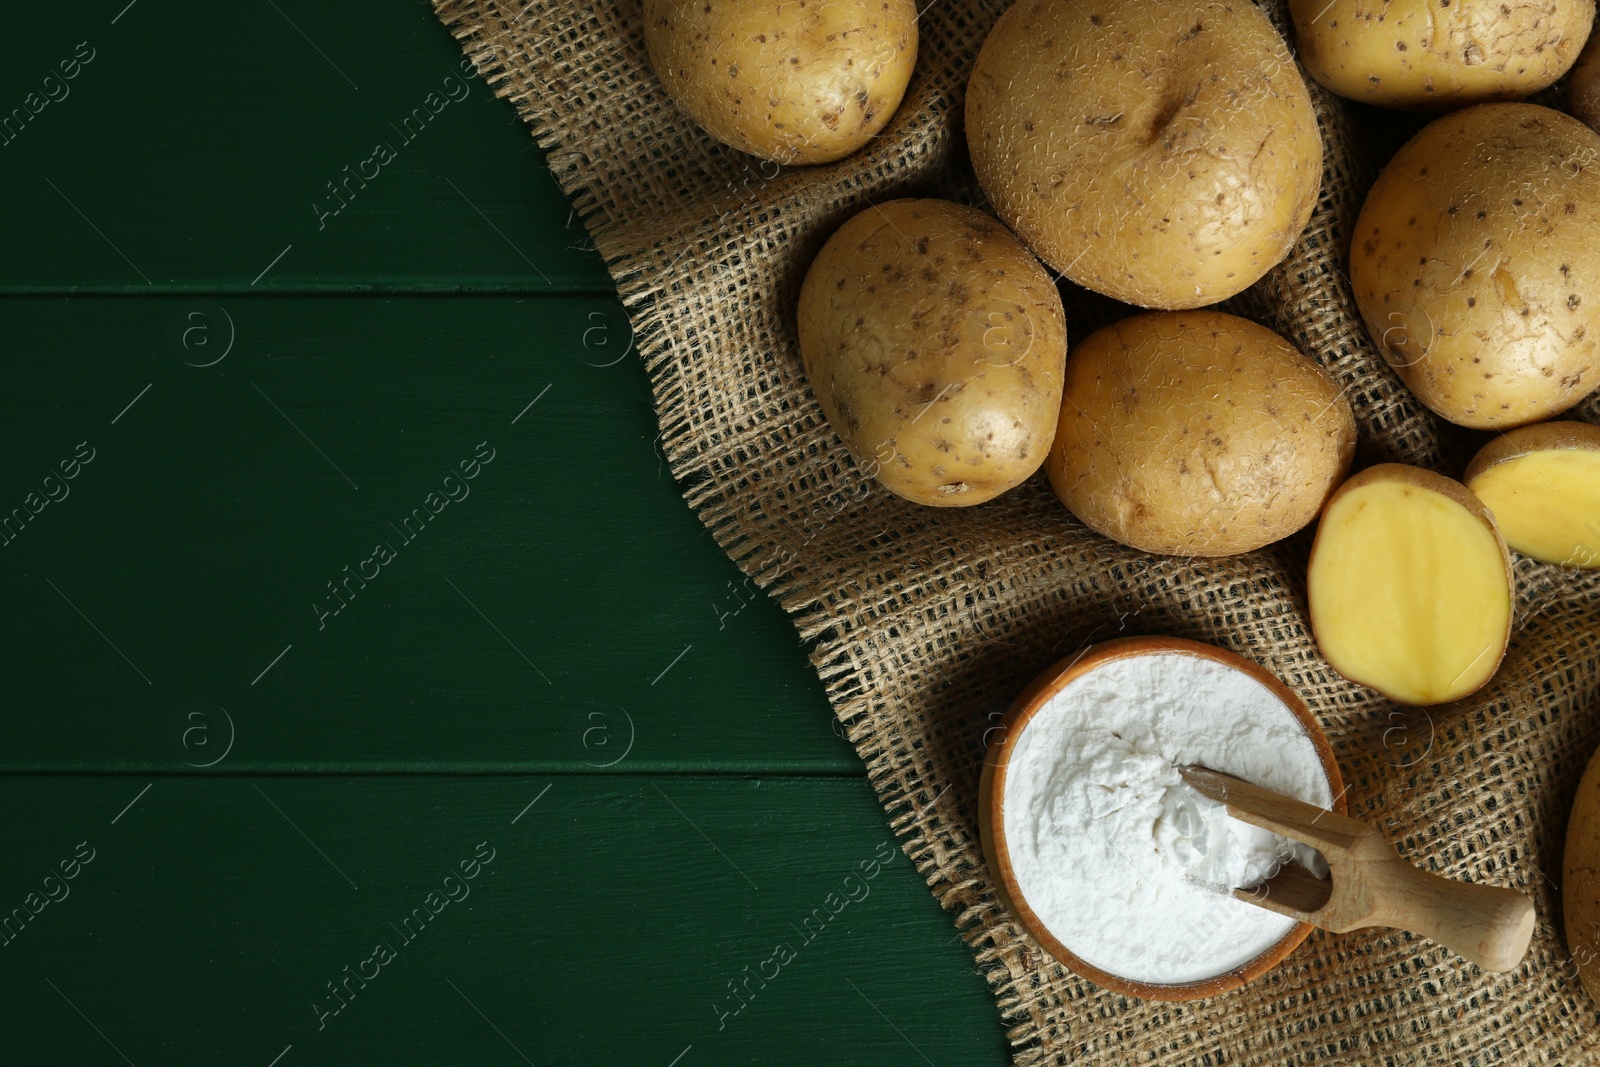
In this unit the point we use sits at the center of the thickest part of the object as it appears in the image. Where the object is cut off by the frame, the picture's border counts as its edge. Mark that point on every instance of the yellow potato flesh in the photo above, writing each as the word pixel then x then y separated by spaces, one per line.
pixel 1547 505
pixel 1409 593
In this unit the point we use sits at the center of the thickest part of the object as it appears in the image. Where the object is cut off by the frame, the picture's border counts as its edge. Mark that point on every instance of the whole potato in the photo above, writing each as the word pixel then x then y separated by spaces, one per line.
pixel 1428 54
pixel 1583 88
pixel 1474 260
pixel 935 341
pixel 1197 433
pixel 1163 154
pixel 1580 880
pixel 792 83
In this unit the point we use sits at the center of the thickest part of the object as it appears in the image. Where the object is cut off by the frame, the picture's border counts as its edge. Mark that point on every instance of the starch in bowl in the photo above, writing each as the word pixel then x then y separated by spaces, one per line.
pixel 1103 852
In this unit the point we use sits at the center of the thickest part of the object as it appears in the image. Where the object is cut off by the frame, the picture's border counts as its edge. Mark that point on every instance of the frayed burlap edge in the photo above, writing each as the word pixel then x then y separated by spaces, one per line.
pixel 925 621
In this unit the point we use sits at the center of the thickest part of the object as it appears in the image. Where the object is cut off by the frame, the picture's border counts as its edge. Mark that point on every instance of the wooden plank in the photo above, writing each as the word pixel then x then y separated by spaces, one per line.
pixel 196 466
pixel 275 543
pixel 277 145
pixel 216 920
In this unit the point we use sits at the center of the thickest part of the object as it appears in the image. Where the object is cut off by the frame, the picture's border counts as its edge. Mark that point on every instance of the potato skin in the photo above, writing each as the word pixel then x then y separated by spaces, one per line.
pixel 802 82
pixel 1473 262
pixel 935 342
pixel 1426 55
pixel 1197 434
pixel 1163 154
pixel 1583 88
pixel 1580 880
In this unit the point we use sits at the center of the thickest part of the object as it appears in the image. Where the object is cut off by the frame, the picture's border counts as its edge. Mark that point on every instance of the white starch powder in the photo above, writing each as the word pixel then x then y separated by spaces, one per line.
pixel 1118 857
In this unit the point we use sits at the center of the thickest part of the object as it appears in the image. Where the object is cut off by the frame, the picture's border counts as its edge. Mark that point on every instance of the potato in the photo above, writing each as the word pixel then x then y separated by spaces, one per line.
pixel 1196 433
pixel 1542 483
pixel 1580 881
pixel 792 83
pixel 935 342
pixel 1433 54
pixel 1163 154
pixel 1410 585
pixel 1474 262
pixel 1583 88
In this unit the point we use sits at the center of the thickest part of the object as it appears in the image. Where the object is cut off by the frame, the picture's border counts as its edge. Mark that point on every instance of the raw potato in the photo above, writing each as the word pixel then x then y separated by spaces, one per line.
pixel 935 342
pixel 1197 433
pixel 1410 585
pixel 792 83
pixel 1164 154
pixel 1543 484
pixel 1580 880
pixel 1439 55
pixel 1583 88
pixel 1474 264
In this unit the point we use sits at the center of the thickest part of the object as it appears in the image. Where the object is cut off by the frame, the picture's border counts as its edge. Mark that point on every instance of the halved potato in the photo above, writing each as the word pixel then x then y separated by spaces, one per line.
pixel 1542 483
pixel 1410 585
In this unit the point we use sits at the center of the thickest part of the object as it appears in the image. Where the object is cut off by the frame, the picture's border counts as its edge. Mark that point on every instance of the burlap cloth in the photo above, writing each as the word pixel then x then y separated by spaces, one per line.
pixel 926 621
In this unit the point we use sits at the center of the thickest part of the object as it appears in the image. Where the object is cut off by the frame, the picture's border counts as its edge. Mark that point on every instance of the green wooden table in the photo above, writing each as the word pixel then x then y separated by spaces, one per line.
pixel 372 695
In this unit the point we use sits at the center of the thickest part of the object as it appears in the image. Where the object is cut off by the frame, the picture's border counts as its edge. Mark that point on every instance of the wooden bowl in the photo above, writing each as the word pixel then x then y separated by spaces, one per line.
pixel 991 823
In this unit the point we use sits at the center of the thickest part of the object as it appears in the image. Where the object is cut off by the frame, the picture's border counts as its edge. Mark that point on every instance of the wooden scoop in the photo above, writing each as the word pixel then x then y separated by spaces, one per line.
pixel 1368 884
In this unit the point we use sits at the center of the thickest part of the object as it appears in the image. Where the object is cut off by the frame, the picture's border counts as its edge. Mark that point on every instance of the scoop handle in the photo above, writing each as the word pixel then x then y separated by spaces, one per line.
pixel 1486 924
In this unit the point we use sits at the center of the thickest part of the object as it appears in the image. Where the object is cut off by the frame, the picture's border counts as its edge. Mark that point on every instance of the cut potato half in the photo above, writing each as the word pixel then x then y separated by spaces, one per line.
pixel 1542 483
pixel 1410 585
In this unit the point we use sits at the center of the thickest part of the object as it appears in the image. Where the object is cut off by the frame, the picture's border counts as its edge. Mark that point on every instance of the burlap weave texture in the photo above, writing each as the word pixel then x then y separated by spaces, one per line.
pixel 926 622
